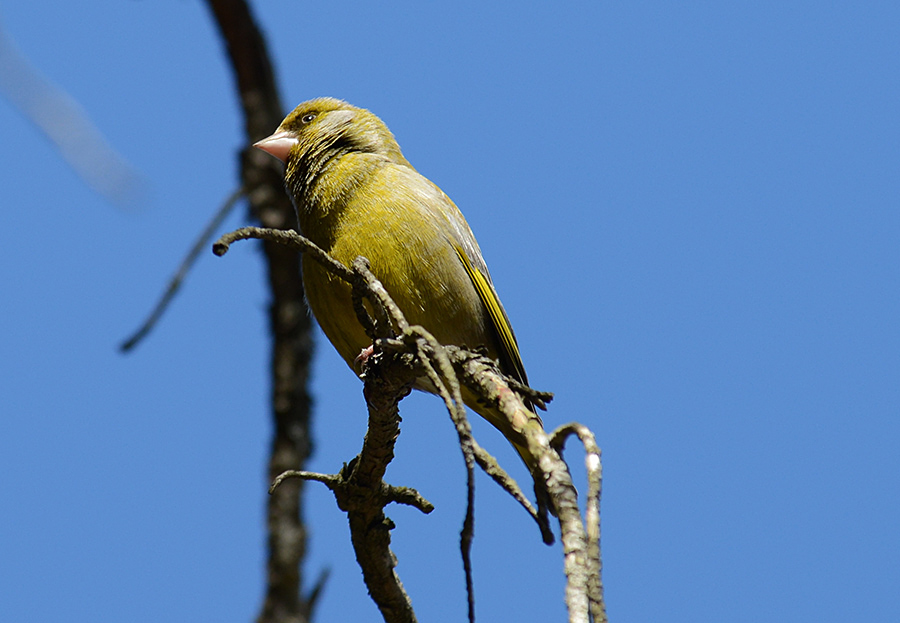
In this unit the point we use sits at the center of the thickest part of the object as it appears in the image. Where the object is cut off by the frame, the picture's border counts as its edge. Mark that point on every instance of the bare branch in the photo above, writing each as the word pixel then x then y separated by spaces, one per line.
pixel 387 381
pixel 431 352
pixel 287 238
pixel 584 588
pixel 289 321
pixel 592 511
pixel 389 373
pixel 490 467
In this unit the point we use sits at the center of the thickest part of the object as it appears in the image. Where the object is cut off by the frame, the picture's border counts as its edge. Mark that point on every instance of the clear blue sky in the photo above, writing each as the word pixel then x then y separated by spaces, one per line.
pixel 690 211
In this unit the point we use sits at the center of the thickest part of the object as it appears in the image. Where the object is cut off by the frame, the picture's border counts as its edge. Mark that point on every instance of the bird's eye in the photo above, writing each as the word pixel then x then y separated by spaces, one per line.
pixel 307 118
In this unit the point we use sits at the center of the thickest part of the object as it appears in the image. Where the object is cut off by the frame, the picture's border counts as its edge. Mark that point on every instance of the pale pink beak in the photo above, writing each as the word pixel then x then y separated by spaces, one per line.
pixel 278 145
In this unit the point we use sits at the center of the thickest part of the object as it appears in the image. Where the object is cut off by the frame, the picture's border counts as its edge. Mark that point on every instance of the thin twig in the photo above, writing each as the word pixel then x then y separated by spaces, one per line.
pixel 592 511
pixel 556 484
pixel 288 238
pixel 312 597
pixel 399 495
pixel 444 379
pixel 329 480
pixel 492 468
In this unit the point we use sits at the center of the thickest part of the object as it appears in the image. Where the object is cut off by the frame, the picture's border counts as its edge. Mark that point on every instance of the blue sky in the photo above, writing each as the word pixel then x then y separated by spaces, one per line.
pixel 690 211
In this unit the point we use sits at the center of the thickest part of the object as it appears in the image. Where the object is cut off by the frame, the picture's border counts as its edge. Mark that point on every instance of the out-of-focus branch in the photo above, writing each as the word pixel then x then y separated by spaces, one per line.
pixel 70 129
pixel 178 278
pixel 289 319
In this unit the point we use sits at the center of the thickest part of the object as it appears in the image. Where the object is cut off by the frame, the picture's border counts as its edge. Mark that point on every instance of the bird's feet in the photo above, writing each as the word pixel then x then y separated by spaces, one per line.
pixel 363 357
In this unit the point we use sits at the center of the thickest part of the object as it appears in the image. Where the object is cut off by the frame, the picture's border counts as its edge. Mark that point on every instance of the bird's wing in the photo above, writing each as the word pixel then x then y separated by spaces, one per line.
pixel 509 347
pixel 450 220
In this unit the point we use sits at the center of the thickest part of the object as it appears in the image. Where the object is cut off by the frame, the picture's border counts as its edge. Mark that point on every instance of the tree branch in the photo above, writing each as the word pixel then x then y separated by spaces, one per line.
pixel 289 319
pixel 360 491
pixel 389 373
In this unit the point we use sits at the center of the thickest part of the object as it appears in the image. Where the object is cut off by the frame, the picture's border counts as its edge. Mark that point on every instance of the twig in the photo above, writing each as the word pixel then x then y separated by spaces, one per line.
pixel 581 574
pixel 287 238
pixel 399 495
pixel 312 597
pixel 592 511
pixel 489 465
pixel 431 352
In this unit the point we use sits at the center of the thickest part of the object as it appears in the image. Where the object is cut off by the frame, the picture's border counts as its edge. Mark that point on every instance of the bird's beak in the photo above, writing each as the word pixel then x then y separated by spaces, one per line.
pixel 278 145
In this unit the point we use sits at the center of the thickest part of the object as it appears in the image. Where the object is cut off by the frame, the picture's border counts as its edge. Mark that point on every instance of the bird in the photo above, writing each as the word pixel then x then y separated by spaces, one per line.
pixel 355 194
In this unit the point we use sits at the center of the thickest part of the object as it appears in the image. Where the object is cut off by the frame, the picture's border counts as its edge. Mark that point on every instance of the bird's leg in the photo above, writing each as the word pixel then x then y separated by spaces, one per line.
pixel 363 357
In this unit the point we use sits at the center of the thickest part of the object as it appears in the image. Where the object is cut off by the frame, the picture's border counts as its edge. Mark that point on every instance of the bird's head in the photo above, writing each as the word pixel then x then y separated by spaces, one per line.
pixel 321 128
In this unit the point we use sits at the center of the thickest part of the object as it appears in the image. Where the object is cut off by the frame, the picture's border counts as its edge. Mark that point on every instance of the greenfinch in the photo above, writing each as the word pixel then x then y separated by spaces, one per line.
pixel 355 194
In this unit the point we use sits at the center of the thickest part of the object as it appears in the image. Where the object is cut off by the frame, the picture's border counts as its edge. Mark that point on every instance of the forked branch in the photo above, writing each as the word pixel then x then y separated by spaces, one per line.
pixel 401 354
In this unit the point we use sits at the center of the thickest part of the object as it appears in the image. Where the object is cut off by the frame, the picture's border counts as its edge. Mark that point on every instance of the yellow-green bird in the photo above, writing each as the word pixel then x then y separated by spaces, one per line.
pixel 355 194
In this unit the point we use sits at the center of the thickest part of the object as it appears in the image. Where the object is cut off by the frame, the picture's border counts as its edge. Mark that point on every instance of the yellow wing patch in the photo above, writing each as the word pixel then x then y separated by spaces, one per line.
pixel 509 355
